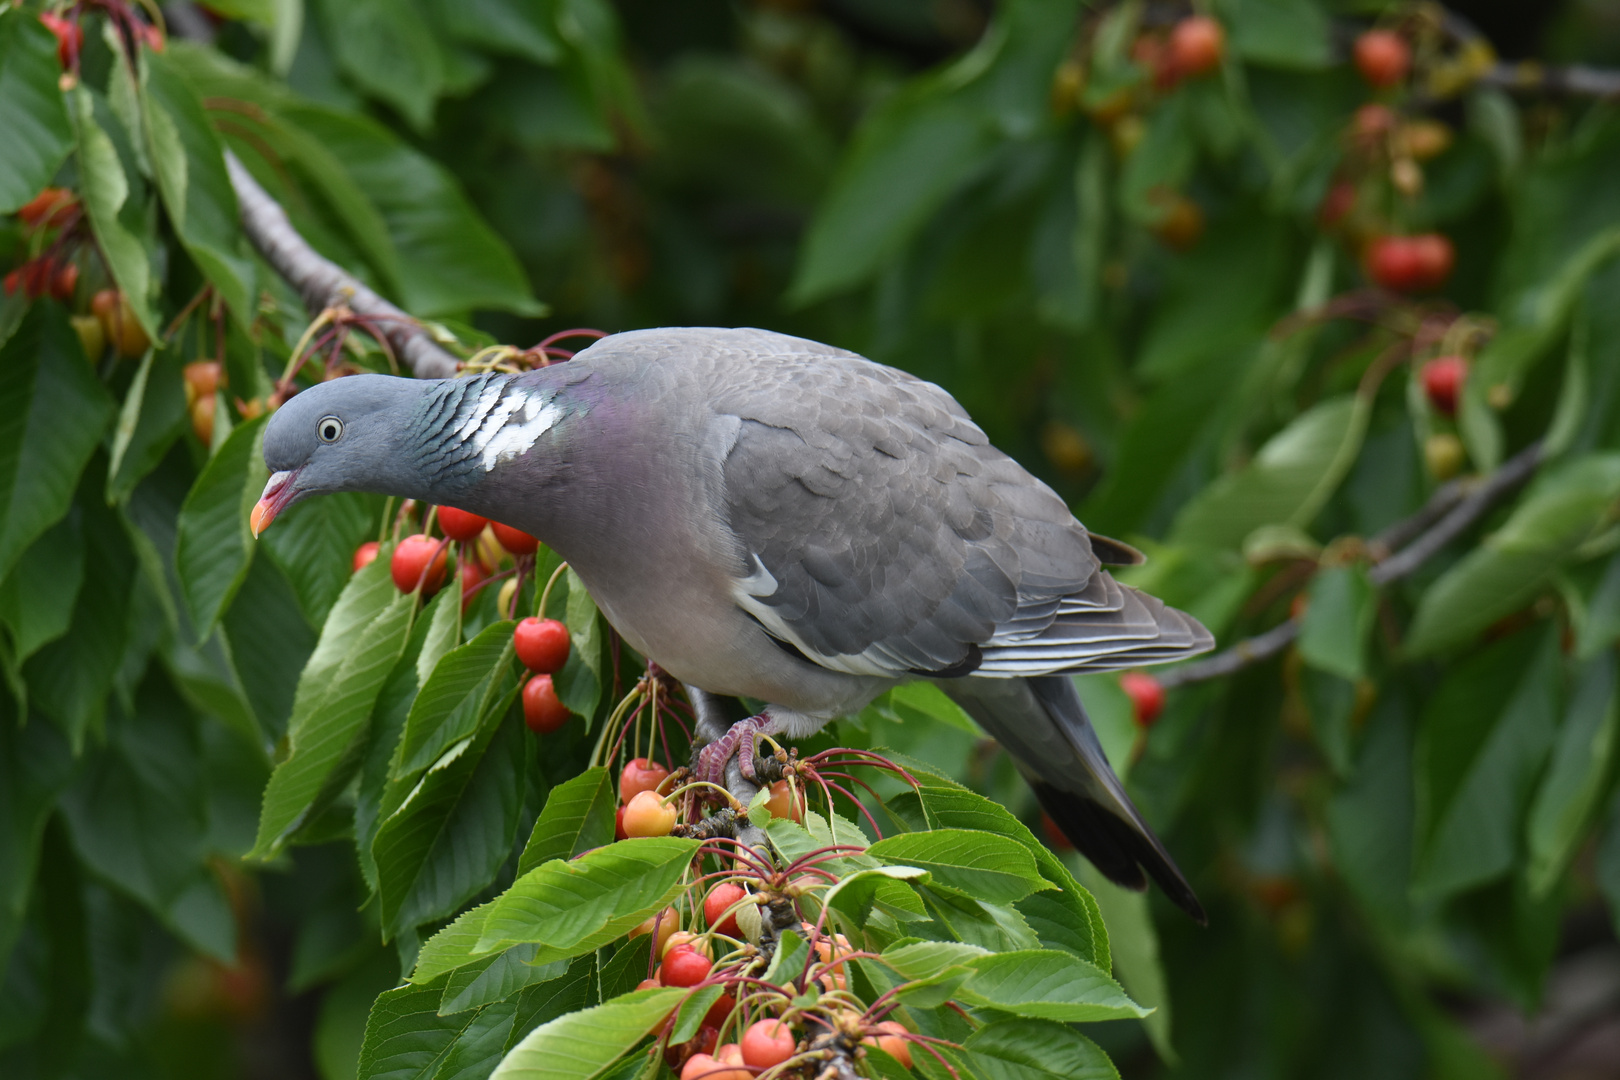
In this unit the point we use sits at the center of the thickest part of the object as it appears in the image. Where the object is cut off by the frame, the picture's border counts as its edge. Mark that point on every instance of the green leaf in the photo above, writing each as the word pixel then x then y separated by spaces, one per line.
pixel 215 543
pixel 449 259
pixel 929 959
pixel 443 633
pixel 387 48
pixel 561 903
pixel 34 125
pixel 37 597
pixel 35 764
pixel 52 415
pixel 115 218
pixel 1047 985
pixel 375 797
pixel 1137 962
pixel 1019 1049
pixel 582 1045
pixel 1287 481
pixel 1338 620
pixel 992 868
pixel 1481 743
pixel 453 831
pixel 152 417
pixel 269 644
pixel 1576 779
pixel 189 166
pixel 455 699
pixel 579 683
pixel 358 646
pixel 503 26
pixel 406 1038
pixel 497 978
pixel 1514 564
pixel 578 816
pixel 1281 33
pixel 314 544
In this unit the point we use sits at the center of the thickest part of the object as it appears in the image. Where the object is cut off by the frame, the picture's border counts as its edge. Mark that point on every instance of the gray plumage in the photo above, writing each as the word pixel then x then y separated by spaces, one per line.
pixel 773 518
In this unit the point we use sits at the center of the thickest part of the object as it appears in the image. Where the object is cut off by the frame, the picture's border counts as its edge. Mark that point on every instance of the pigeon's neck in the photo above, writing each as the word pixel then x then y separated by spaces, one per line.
pixel 466 432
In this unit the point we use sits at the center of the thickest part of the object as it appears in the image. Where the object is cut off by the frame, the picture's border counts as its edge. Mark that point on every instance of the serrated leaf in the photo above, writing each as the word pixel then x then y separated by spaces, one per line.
pixel 406 1038
pixel 992 868
pixel 1338 619
pixel 105 189
pixel 464 683
pixel 1514 564
pixel 579 683
pixel 314 544
pixel 152 417
pixel 189 166
pixel 443 617
pixel 1481 742
pixel 496 978
pixel 582 1045
pixel 1575 781
pixel 456 946
pixel 215 543
pixel 578 816
pixel 37 597
pixel 1287 481
pixel 561 903
pixel 453 831
pixel 34 126
pixel 359 644
pixel 1020 1049
pixel 1047 985
pixel 388 49
pixel 52 415
pixel 269 644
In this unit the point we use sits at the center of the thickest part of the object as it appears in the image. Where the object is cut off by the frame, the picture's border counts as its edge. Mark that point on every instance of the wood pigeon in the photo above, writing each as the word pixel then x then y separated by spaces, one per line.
pixel 772 518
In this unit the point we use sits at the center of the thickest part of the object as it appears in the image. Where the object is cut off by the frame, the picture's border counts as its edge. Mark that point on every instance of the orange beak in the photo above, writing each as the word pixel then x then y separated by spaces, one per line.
pixel 277 494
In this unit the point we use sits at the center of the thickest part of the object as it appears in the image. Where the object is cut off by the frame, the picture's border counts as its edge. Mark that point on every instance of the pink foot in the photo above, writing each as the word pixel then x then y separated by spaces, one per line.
pixel 711 759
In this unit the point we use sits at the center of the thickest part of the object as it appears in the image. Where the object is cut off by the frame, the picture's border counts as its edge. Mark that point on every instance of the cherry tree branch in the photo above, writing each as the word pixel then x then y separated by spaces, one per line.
pixel 324 284
pixel 1449 513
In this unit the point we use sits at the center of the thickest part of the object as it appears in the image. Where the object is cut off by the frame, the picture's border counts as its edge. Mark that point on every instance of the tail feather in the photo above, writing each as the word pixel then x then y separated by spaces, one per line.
pixel 1043 724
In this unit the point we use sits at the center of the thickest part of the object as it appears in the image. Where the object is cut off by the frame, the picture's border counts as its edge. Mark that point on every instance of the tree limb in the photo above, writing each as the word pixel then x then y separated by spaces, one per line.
pixel 323 283
pixel 1449 513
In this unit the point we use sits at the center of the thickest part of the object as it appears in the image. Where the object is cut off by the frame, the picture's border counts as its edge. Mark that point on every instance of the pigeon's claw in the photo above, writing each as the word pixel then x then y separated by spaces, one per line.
pixel 740 739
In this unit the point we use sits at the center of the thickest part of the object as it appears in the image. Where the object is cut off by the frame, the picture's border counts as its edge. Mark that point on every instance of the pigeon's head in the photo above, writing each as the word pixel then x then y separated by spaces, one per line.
pixel 343 435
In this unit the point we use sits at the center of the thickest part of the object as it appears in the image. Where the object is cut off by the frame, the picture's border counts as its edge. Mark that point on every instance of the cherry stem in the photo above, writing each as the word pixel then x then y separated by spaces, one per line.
pixel 545 595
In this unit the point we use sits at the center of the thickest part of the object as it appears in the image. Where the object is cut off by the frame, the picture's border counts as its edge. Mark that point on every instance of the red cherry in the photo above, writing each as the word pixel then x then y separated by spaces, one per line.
pixel 1442 382
pixel 684 967
pixel 703 1067
pixel 1197 44
pixel 516 541
pixel 1382 57
pixel 721 897
pixel 1393 263
pixel 365 554
pixel 459 524
pixel 618 819
pixel 767 1043
pixel 890 1039
pixel 472 576
pixel 543 710
pixel 1435 257
pixel 542 644
pixel 1147 696
pixel 412 559
pixel 648 815
pixel 648 984
pixel 640 775
pixel 718 1012
pixel 13 282
pixel 69 37
pixel 65 282
pixel 46 206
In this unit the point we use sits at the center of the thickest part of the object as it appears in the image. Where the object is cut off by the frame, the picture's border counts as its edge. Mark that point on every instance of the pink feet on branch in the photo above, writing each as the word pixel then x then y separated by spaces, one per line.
pixel 740 739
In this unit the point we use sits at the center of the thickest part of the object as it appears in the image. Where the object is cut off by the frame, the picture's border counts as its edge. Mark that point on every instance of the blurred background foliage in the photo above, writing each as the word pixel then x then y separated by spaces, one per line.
pixel 1155 290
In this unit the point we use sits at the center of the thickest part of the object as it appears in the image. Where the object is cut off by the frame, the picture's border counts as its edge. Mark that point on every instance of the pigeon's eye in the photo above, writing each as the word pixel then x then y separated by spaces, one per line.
pixel 330 429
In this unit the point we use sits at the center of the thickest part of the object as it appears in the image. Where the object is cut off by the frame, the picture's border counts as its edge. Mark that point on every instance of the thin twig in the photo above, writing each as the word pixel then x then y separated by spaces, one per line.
pixel 1449 513
pixel 323 284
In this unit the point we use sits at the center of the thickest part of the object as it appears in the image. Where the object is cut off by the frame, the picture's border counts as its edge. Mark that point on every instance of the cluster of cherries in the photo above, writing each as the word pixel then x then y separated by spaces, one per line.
pixel 645 811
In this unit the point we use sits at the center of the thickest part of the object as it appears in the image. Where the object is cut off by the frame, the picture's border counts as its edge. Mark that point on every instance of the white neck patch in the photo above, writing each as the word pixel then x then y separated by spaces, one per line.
pixel 505 426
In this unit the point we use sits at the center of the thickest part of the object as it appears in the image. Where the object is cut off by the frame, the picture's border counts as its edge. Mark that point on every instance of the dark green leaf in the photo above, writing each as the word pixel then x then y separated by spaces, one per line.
pixel 387 48
pixel 498 978
pixel 214 543
pixel 1034 1050
pixel 455 698
pixel 52 415
pixel 452 832
pixel 582 1045
pixel 1338 618
pixel 989 867
pixel 506 26
pixel 152 417
pixel 35 764
pixel 1046 985
pixel 579 683
pixel 34 125
pixel 406 1038
pixel 359 644
pixel 314 544
pixel 578 816
pixel 1576 779
pixel 37 597
pixel 115 216
pixel 269 643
